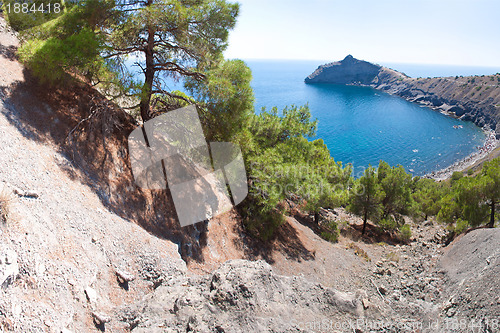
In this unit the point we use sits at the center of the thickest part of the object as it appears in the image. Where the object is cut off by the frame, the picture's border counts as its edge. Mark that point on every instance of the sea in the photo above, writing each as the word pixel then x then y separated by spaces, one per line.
pixel 362 126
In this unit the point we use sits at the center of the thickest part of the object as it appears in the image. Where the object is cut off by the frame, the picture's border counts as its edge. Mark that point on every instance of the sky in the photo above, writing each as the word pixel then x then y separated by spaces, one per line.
pixel 452 32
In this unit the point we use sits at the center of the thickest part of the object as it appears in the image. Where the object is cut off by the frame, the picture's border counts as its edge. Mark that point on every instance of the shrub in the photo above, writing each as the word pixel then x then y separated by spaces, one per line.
pixel 461 226
pixel 389 223
pixel 457 175
pixel 261 221
pixel 20 21
pixel 470 172
pixel 405 232
pixel 332 232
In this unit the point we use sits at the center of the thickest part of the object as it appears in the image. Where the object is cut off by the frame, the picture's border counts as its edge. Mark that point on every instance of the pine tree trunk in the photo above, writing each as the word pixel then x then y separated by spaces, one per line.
pixel 492 217
pixel 364 222
pixel 149 74
pixel 316 217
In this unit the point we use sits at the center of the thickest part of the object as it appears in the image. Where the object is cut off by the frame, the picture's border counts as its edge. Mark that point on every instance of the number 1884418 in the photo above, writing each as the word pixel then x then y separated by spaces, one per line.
pixel 26 8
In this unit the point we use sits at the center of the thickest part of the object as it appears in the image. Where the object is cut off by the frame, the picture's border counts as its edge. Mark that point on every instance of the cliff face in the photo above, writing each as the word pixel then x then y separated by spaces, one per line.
pixel 475 98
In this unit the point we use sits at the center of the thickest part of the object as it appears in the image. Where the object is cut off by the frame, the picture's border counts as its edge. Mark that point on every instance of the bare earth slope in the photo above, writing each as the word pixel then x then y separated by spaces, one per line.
pixel 472 267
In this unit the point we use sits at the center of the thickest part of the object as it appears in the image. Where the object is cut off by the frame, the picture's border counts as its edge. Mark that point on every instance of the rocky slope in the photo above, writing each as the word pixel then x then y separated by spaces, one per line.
pixel 475 98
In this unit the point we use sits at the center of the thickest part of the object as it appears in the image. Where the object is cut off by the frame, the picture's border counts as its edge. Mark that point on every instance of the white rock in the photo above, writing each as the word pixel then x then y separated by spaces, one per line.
pixel 91 294
pixel 124 277
pixel 100 318
pixel 9 268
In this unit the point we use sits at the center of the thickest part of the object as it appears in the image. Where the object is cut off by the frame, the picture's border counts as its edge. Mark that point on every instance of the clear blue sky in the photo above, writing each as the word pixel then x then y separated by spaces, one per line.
pixel 454 32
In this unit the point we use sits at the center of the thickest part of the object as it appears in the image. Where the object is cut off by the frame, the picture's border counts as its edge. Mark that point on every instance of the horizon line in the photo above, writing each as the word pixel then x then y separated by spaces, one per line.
pixel 323 61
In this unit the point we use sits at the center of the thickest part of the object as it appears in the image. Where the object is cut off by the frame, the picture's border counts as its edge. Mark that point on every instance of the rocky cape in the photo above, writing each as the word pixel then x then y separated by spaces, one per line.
pixel 473 98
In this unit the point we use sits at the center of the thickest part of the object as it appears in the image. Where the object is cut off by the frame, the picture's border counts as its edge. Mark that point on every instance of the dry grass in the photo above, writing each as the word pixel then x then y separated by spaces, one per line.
pixel 393 256
pixel 6 201
pixel 358 251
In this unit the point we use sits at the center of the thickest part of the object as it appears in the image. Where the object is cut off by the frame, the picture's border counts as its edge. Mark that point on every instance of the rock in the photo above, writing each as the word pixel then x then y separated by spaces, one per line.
pixel 100 318
pixel 91 295
pixel 467 275
pixel 366 303
pixel 382 290
pixel 9 269
pixel 124 277
pixel 244 296
pixel 442 94
pixel 26 194
pixel 451 312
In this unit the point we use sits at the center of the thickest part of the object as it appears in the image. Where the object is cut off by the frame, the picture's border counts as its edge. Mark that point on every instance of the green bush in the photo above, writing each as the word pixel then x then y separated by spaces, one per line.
pixel 332 232
pixel 50 59
pixel 461 226
pixel 281 161
pixel 388 223
pixel 405 232
pixel 457 175
pixel 260 221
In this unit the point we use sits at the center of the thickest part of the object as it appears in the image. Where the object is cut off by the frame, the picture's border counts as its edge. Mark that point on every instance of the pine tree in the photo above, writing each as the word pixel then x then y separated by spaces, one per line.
pixel 167 38
pixel 491 175
pixel 365 199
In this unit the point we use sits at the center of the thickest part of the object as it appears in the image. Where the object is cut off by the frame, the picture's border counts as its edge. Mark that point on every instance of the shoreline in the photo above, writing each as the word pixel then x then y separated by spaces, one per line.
pixel 489 145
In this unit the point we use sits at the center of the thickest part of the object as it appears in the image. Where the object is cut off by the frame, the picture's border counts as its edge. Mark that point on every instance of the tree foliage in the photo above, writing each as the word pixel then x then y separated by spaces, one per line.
pixel 396 186
pixel 282 163
pixel 366 197
pixel 164 38
pixel 226 101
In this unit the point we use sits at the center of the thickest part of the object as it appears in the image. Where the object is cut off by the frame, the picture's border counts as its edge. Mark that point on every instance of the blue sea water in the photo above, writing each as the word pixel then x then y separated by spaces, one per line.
pixel 362 126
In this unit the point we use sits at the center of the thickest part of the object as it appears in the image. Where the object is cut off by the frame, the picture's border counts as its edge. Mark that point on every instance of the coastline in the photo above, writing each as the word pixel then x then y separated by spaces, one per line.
pixel 490 144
